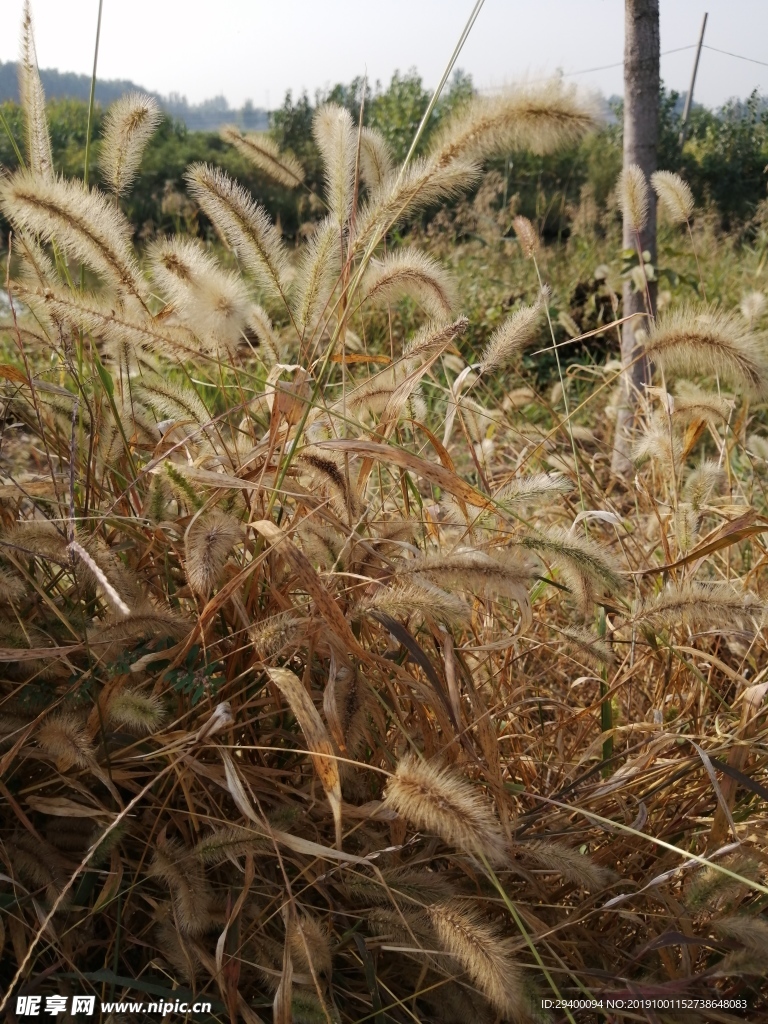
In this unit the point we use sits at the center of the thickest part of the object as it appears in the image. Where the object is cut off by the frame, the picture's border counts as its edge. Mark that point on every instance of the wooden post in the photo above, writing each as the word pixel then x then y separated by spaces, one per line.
pixel 641 133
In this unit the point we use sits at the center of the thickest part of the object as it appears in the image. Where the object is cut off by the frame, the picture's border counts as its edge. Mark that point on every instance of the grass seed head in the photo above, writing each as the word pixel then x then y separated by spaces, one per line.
pixel 264 153
pixel 64 737
pixel 32 99
pixel 136 711
pixel 508 339
pixel 633 196
pixel 442 801
pixel 336 138
pixel 674 195
pixel 409 272
pixel 694 340
pixel 128 126
pixel 207 545
pixel 376 159
pixel 243 224
pixel 481 949
pixel 527 236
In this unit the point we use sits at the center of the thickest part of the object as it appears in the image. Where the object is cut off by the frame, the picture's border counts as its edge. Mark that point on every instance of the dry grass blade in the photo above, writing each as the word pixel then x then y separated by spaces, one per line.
pixel 316 735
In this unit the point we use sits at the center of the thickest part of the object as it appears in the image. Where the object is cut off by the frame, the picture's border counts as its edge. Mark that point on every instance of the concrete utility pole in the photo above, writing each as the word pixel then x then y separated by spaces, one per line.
pixel 689 97
pixel 641 134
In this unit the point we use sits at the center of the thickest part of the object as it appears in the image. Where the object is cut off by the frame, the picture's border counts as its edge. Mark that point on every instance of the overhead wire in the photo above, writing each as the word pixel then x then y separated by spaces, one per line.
pixel 620 63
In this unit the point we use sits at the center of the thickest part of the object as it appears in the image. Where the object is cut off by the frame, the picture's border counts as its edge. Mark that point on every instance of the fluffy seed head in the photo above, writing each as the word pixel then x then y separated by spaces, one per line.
pixel 414 598
pixel 591 646
pixel 318 272
pixel 692 402
pixel 410 272
pixel 442 801
pixel 475 572
pixel 657 443
pixel 63 736
pixel 207 545
pixel 33 101
pixel 376 160
pixel 480 948
pixel 192 896
pixel 537 118
pixel 752 307
pixel 12 587
pixel 265 154
pixel 632 193
pixel 574 866
pixel 674 195
pixel 516 331
pixel 702 482
pixel 704 606
pixel 423 184
pixel 241 223
pixel 527 236
pixel 696 340
pixel 129 125
pixel 85 224
pixel 584 565
pixel 336 139
pixel 532 490
pixel 136 711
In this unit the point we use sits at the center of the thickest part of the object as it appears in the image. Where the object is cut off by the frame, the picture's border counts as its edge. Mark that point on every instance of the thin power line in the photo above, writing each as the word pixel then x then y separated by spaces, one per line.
pixel 587 71
pixel 739 56
pixel 620 63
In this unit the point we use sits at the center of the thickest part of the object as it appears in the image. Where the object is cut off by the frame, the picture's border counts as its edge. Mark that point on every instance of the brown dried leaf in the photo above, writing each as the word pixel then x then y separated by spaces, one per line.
pixel 316 735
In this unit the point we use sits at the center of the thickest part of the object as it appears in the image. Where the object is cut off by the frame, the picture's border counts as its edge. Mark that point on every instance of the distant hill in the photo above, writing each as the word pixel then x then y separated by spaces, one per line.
pixel 206 116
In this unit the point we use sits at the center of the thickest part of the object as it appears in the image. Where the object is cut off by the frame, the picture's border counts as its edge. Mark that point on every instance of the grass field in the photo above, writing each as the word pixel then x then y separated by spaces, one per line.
pixel 342 679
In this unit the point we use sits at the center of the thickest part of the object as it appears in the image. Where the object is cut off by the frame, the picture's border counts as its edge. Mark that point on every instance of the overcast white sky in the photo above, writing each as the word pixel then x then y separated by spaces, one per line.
pixel 259 48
